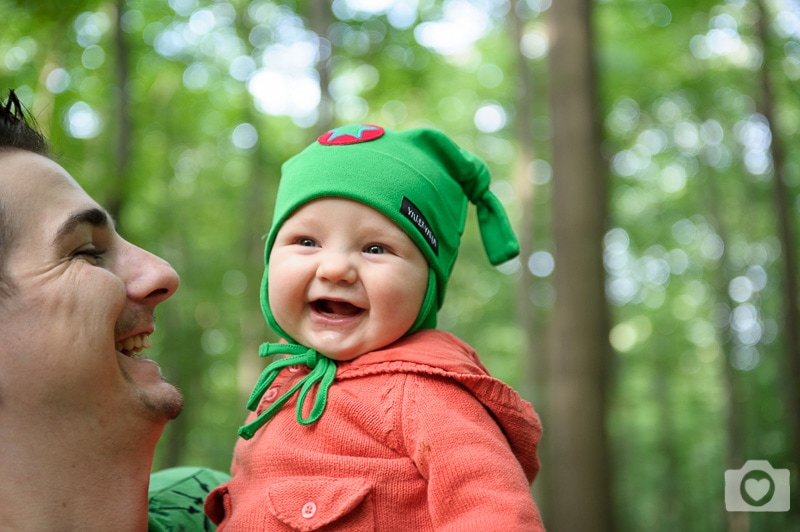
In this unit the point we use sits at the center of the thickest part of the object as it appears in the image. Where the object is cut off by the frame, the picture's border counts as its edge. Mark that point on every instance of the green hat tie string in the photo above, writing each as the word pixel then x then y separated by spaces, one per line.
pixel 323 371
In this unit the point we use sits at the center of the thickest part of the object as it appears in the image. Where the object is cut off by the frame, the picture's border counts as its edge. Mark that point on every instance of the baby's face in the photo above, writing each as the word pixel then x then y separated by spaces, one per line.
pixel 344 279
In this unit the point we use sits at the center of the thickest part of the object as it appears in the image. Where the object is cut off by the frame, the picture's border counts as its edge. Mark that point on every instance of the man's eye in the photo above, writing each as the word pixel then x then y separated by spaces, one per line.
pixel 91 253
pixel 375 249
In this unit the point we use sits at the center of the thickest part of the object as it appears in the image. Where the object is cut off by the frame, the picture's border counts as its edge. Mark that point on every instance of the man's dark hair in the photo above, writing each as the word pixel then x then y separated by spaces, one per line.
pixel 17 132
pixel 18 128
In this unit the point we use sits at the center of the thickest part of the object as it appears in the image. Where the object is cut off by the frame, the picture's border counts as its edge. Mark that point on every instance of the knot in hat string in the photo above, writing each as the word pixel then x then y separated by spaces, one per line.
pixel 323 371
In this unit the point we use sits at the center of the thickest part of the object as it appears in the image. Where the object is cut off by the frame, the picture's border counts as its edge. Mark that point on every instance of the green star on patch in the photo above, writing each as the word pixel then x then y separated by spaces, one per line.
pixel 351 134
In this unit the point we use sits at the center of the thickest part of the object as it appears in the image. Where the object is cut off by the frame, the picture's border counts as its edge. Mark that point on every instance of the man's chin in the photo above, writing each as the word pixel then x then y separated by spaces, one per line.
pixel 169 407
pixel 162 406
pixel 161 400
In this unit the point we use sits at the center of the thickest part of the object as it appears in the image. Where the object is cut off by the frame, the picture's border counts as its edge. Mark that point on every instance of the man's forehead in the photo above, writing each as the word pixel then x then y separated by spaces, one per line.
pixel 24 170
pixel 39 190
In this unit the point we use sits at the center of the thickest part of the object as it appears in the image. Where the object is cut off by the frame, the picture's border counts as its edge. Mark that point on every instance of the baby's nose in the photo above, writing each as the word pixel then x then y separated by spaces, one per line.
pixel 337 267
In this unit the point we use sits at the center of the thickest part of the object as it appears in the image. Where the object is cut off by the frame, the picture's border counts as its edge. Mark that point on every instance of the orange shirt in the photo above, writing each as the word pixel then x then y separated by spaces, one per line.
pixel 416 436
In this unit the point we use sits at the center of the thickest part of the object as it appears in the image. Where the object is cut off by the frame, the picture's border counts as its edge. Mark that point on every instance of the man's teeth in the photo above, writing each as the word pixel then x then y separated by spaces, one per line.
pixel 134 344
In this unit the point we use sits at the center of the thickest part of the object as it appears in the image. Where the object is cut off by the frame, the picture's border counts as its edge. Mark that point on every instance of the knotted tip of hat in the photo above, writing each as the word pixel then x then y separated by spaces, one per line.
pixel 499 240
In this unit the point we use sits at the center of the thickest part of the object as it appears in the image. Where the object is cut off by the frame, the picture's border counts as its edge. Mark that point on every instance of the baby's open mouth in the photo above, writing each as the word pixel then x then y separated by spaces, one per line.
pixel 133 345
pixel 336 309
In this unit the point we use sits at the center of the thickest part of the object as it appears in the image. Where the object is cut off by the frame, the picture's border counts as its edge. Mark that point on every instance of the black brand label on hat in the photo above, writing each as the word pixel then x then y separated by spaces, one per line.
pixel 410 211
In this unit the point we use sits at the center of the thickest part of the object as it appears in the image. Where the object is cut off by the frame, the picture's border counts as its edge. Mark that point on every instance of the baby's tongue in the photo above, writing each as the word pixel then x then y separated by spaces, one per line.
pixel 338 308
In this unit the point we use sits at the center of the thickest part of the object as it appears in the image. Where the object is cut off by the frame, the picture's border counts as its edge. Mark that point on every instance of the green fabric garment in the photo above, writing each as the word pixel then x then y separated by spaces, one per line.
pixel 418 178
pixel 176 496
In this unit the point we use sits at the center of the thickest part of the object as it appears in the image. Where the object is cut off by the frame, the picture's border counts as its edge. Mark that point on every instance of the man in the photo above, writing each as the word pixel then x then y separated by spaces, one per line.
pixel 81 406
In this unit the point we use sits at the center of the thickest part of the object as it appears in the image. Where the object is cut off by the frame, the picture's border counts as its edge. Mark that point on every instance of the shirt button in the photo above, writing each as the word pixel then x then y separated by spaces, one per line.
pixel 309 509
pixel 271 394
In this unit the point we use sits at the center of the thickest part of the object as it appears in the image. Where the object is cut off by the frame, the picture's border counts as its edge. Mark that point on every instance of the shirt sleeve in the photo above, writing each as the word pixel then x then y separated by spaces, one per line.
pixel 474 480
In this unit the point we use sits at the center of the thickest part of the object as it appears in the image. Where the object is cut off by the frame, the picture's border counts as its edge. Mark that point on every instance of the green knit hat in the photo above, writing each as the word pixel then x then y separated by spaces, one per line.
pixel 418 178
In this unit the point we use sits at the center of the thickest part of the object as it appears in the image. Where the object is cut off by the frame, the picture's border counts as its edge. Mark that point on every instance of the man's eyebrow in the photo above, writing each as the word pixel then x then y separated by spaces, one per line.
pixel 94 217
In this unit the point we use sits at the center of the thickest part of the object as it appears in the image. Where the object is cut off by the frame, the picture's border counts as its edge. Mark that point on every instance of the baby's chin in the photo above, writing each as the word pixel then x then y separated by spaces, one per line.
pixel 343 344
pixel 341 355
pixel 334 347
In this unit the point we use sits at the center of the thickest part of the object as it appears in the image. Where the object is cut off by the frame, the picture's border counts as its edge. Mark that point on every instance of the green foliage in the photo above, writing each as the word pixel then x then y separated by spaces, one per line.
pixel 691 251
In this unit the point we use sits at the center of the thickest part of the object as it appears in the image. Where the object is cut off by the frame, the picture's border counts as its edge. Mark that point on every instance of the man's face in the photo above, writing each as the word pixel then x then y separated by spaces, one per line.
pixel 81 305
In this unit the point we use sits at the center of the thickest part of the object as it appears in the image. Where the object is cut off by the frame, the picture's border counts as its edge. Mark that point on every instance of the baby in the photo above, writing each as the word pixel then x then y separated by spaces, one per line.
pixel 370 418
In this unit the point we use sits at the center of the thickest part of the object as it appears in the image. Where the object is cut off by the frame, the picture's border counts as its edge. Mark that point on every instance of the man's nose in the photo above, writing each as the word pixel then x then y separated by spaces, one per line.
pixel 150 279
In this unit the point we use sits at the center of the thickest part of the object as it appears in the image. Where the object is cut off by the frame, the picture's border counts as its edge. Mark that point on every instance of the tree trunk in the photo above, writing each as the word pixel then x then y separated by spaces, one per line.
pixel 523 187
pixel 532 385
pixel 579 351
pixel 791 312
pixel 320 18
pixel 735 414
pixel 122 120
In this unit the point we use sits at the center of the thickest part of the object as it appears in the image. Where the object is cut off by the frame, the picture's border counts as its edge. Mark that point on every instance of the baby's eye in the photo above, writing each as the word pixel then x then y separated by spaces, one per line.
pixel 375 249
pixel 307 242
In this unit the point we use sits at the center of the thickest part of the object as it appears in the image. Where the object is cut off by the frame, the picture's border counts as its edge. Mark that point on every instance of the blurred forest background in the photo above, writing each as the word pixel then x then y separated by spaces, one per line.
pixel 647 153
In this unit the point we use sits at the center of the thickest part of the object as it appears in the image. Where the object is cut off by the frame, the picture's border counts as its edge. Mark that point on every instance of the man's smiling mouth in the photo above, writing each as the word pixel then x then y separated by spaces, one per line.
pixel 336 309
pixel 133 345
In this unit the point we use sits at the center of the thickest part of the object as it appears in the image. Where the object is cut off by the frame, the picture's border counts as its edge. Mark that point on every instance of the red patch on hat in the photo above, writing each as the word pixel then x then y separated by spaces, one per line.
pixel 352 134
